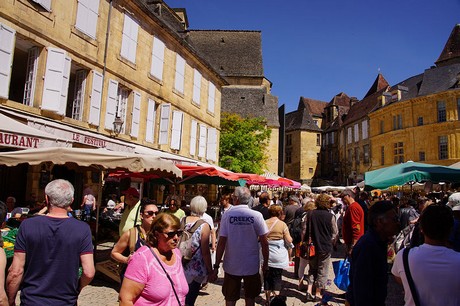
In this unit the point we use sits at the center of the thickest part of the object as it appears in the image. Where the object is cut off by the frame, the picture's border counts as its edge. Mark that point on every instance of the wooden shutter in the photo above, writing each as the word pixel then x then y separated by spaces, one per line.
pixel 87 14
pixel 193 130
pixel 196 86
pixel 96 98
pixel 7 38
pixel 158 54
pixel 65 85
pixel 150 126
pixel 54 77
pixel 176 135
pixel 136 114
pixel 211 97
pixel 129 39
pixel 180 74
pixel 202 141
pixel 111 105
pixel 46 4
pixel 211 149
pixel 164 123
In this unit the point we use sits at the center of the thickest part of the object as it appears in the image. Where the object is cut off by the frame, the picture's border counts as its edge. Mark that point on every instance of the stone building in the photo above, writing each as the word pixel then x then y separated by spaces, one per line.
pixel 303 140
pixel 237 56
pixel 419 118
pixel 69 70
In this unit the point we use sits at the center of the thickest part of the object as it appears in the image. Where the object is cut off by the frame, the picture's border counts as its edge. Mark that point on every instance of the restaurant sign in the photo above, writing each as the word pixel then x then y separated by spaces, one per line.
pixel 16 140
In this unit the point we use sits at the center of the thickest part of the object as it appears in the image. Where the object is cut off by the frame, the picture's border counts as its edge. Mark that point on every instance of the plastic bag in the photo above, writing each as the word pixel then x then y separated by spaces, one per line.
pixel 341 271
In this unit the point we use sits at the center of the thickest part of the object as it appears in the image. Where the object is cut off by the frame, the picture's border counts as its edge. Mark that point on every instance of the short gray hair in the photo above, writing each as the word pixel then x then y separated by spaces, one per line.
pixel 243 194
pixel 60 193
pixel 198 206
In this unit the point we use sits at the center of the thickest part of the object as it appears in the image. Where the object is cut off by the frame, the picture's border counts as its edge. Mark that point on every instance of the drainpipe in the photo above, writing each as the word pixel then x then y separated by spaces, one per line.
pixel 107 34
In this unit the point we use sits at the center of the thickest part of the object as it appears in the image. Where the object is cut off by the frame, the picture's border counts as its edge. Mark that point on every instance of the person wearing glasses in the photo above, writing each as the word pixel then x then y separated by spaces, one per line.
pixel 124 248
pixel 155 275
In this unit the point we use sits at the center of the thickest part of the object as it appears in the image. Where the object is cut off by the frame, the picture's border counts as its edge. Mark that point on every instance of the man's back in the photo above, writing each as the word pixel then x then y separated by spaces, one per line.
pixel 242 227
pixel 353 223
pixel 53 247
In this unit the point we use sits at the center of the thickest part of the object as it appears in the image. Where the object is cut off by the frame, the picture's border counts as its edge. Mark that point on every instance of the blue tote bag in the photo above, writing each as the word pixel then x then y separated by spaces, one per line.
pixel 341 270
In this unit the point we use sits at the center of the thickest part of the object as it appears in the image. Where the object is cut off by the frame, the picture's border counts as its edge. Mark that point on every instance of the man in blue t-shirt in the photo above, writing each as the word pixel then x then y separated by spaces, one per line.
pixel 48 252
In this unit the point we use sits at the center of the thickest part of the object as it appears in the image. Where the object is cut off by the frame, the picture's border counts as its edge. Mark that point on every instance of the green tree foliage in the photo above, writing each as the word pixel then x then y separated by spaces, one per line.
pixel 243 142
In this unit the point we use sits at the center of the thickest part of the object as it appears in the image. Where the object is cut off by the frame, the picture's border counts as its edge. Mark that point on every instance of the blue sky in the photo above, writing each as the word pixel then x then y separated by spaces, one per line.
pixel 319 48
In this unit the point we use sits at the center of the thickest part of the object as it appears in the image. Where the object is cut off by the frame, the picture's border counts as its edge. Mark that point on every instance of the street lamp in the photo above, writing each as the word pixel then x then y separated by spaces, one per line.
pixel 117 125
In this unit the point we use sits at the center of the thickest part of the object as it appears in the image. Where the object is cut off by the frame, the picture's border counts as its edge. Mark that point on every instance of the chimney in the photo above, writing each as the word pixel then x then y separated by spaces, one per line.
pixel 353 101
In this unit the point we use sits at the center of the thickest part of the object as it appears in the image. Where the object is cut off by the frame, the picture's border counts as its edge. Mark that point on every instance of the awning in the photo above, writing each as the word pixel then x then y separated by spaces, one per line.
pixel 15 134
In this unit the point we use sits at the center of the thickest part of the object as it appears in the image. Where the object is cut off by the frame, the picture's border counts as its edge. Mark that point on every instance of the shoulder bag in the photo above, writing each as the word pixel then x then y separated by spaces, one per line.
pixel 413 290
pixel 307 249
pixel 167 275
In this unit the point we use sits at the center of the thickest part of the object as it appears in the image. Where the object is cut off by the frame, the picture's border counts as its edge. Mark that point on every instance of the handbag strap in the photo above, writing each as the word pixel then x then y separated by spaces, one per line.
pixel 409 276
pixel 167 275
pixel 273 225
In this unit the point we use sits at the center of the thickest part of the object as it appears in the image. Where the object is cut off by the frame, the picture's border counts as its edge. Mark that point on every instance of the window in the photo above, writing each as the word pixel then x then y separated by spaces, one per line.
pixel 397 122
pixel 420 121
pixel 193 131
pixel 202 141
pixel 421 156
pixel 76 96
pixel 46 4
pixel 7 36
pixel 310 170
pixel 87 13
pixel 129 39
pixel 176 131
pixel 441 105
pixel 315 122
pixel 164 123
pixel 122 104
pixel 382 126
pixel 211 97
pixel 382 155
pixel 398 152
pixel 158 58
pixel 356 132
pixel 289 156
pixel 150 125
pixel 443 147
pixel 180 74
pixel 364 131
pixel 289 140
pixel 196 86
pixel 350 156
pixel 117 100
pixel 211 147
pixel 366 154
pixel 318 139
pixel 349 135
pixel 31 76
pixel 357 160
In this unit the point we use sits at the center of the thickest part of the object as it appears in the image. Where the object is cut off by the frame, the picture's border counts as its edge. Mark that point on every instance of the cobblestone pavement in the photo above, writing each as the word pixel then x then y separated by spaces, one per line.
pixel 104 291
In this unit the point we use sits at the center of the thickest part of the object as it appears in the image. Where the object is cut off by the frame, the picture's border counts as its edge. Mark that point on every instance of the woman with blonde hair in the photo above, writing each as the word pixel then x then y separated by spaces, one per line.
pixel 278 259
pixel 155 275
pixel 200 265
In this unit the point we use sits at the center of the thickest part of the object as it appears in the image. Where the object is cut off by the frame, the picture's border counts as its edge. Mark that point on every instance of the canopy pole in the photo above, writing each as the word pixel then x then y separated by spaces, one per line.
pixel 98 206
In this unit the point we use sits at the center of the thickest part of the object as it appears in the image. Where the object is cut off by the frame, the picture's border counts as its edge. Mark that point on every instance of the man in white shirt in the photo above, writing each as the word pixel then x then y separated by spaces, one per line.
pixel 240 230
pixel 434 267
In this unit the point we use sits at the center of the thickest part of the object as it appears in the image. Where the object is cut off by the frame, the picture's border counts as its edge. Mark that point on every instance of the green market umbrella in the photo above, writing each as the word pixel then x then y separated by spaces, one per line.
pixel 409 172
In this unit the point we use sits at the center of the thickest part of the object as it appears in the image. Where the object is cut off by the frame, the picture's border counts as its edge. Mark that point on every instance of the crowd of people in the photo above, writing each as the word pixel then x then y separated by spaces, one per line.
pixel 254 239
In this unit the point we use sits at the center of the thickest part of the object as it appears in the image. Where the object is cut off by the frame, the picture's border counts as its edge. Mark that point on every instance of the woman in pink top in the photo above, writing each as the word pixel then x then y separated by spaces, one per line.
pixel 155 275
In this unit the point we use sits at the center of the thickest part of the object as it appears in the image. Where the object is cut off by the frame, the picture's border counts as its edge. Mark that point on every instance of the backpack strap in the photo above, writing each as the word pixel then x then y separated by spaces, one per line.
pixel 410 280
pixel 196 225
pixel 132 239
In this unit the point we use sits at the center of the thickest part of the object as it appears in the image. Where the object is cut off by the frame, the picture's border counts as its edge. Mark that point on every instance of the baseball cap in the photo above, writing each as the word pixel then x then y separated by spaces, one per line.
pixel 454 201
pixel 131 191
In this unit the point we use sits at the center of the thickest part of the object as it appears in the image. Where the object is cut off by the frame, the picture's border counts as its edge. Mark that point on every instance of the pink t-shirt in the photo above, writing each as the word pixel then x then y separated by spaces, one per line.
pixel 145 269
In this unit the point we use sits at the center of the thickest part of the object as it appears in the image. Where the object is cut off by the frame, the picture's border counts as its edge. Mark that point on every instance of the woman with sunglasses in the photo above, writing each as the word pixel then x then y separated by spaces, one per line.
pixel 124 247
pixel 155 275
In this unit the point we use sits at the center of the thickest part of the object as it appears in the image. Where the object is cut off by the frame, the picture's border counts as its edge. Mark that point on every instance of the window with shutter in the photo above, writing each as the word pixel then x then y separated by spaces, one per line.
pixel 78 95
pixel 196 86
pixel 46 4
pixel 129 39
pixel 111 104
pixel 7 38
pixel 202 141
pixel 211 150
pixel 211 97
pixel 136 115
pixel 96 98
pixel 54 79
pixel 31 76
pixel 180 74
pixel 158 55
pixel 176 135
pixel 150 126
pixel 193 130
pixel 87 13
pixel 164 123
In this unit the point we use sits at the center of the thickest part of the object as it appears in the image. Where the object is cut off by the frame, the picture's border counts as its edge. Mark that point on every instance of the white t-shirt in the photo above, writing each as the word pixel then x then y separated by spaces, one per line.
pixel 436 274
pixel 242 226
pixel 208 220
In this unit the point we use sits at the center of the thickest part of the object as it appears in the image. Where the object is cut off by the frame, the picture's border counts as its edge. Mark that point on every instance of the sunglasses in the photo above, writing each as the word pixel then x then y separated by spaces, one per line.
pixel 151 213
pixel 172 234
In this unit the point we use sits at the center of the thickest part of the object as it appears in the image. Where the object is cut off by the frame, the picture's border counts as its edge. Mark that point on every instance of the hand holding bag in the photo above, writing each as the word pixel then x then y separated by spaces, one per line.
pixel 307 249
pixel 341 271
